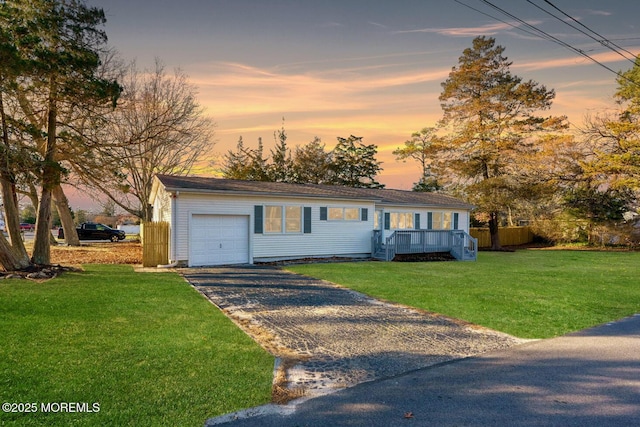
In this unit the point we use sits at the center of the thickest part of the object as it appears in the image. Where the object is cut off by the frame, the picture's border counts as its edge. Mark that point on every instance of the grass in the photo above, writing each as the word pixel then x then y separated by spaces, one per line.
pixel 529 294
pixel 146 347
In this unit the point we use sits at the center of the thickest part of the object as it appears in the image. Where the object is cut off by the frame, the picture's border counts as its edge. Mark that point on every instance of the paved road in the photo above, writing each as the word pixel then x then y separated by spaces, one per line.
pixel 589 378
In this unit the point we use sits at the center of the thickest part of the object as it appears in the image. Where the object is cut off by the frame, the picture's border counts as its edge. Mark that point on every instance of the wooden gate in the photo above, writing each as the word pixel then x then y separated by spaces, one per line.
pixel 155 243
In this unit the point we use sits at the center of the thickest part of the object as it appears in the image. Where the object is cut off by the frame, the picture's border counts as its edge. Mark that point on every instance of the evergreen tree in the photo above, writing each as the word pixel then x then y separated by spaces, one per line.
pixel 421 149
pixel 617 137
pixel 257 166
pixel 492 122
pixel 354 163
pixel 57 44
pixel 281 167
pixel 312 164
pixel 235 162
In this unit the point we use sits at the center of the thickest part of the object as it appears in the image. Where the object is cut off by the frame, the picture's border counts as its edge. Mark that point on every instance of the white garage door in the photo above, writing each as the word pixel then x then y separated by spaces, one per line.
pixel 219 240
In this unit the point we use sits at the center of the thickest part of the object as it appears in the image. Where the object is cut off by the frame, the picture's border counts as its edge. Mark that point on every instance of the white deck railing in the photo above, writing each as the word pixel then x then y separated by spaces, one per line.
pixel 457 242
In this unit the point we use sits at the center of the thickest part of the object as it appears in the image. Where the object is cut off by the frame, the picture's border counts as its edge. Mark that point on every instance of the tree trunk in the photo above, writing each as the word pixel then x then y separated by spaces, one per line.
pixel 62 204
pixel 148 212
pixel 12 220
pixel 8 258
pixel 41 247
pixel 12 256
pixel 50 179
pixel 494 231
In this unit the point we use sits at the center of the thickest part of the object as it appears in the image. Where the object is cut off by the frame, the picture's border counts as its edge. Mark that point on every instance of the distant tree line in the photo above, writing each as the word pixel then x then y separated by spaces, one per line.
pixel 350 163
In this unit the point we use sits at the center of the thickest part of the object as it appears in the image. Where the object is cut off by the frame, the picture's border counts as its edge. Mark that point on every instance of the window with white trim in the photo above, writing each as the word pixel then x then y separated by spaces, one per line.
pixel 273 219
pixel 377 220
pixel 446 221
pixel 402 220
pixel 293 219
pixel 343 214
pixel 283 219
pixel 352 214
pixel 441 221
pixel 336 214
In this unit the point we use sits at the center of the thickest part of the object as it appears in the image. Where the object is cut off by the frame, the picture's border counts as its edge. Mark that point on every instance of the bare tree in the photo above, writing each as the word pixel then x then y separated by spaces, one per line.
pixel 158 127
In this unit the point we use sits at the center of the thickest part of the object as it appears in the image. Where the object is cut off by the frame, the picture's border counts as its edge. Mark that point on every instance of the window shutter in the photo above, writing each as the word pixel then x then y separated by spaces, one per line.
pixel 258 219
pixel 323 213
pixel 306 219
pixel 417 221
pixel 387 221
pixel 364 214
pixel 429 220
pixel 456 219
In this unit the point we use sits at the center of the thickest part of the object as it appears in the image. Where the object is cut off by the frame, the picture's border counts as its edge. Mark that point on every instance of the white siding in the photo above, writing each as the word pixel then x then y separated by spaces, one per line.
pixel 327 238
pixel 162 206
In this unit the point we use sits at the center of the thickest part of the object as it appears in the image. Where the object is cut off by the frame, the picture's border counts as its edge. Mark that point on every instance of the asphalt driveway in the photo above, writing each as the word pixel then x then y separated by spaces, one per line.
pixel 327 337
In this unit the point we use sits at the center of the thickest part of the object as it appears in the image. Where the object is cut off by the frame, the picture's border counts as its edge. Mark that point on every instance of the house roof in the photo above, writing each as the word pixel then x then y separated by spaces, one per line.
pixel 199 184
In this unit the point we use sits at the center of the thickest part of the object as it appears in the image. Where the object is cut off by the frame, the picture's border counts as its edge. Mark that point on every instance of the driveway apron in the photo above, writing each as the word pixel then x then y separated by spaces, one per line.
pixel 327 337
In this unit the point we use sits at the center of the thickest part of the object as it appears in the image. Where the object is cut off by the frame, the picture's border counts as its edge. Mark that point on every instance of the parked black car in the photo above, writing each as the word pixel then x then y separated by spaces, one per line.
pixel 92 231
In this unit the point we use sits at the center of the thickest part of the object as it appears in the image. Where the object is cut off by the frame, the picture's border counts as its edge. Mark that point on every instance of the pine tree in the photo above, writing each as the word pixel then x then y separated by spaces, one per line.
pixel 312 164
pixel 235 162
pixel 354 163
pixel 57 44
pixel 492 120
pixel 281 167
pixel 421 148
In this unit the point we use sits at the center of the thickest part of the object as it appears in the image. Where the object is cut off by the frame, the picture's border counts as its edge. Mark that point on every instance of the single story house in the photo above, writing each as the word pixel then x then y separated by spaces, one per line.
pixel 215 221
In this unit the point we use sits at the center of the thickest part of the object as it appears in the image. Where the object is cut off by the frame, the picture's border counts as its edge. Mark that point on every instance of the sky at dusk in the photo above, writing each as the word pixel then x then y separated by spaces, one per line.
pixel 368 68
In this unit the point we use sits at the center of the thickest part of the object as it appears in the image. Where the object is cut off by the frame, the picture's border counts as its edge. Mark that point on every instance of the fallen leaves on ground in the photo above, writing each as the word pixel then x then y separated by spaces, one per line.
pixel 98 253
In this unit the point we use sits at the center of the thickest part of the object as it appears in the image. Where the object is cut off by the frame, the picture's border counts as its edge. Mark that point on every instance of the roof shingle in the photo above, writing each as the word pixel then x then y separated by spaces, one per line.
pixel 381 196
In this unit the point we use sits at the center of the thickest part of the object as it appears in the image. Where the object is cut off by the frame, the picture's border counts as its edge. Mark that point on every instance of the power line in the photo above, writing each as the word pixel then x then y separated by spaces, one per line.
pixel 544 35
pixel 603 40
pixel 498 19
pixel 607 45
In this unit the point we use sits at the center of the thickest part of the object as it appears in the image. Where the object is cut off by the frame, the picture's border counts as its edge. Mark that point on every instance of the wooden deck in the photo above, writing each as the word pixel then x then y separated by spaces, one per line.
pixel 458 243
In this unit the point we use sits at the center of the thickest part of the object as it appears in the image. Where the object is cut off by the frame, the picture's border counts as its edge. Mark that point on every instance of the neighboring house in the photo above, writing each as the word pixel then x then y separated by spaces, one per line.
pixel 219 221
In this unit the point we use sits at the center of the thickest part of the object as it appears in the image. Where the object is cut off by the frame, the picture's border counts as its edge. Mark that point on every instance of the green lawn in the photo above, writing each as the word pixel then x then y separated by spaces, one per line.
pixel 529 293
pixel 147 348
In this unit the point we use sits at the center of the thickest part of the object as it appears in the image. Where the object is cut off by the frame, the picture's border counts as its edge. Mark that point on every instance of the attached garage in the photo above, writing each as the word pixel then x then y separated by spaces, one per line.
pixel 215 221
pixel 219 240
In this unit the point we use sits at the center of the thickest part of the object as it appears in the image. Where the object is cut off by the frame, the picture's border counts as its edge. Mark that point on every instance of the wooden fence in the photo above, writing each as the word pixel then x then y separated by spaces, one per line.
pixel 509 236
pixel 155 243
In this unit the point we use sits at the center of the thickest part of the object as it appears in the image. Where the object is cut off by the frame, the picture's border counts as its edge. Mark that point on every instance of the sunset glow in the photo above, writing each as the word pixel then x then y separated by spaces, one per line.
pixel 369 69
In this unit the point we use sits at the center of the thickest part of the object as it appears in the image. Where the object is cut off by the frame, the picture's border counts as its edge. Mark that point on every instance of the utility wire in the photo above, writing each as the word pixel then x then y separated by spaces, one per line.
pixel 600 41
pixel 500 20
pixel 547 36
pixel 603 40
